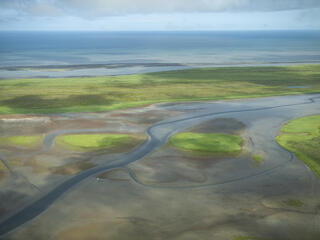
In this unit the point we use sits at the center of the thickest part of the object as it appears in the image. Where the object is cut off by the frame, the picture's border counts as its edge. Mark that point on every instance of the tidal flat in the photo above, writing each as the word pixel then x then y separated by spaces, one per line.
pixel 153 190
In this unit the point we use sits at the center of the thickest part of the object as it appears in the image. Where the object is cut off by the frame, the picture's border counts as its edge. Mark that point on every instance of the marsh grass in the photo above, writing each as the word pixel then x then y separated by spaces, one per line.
pixel 257 158
pixel 95 142
pixel 3 169
pixel 115 92
pixel 21 141
pixel 207 142
pixel 246 238
pixel 301 136
pixel 293 203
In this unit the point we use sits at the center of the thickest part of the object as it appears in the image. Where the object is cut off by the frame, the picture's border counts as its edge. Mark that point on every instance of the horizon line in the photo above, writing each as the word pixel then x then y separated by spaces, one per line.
pixel 213 30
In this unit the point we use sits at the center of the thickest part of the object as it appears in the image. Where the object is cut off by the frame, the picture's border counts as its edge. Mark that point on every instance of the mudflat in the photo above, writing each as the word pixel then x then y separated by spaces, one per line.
pixel 157 191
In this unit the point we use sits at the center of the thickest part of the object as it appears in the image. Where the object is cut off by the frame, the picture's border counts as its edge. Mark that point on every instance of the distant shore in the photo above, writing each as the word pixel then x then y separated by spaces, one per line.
pixel 117 69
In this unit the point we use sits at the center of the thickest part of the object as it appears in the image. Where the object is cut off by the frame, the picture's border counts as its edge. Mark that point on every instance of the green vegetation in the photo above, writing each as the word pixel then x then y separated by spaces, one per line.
pixel 257 158
pixel 3 168
pixel 21 141
pixel 245 238
pixel 93 142
pixel 301 136
pixel 207 142
pixel 293 203
pixel 310 124
pixel 114 92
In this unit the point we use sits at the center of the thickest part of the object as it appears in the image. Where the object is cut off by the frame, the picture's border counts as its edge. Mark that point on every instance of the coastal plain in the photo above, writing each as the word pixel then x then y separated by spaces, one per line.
pixel 92 94
pixel 150 172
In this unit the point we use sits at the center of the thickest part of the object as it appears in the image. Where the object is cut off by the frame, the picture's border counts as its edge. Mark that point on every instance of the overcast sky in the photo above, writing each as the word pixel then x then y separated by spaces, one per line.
pixel 120 15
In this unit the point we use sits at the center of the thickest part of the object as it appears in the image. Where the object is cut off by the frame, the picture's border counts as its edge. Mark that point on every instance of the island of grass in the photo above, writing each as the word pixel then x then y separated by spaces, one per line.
pixel 301 136
pixel 246 238
pixel 88 94
pixel 214 143
pixel 257 158
pixel 293 203
pixel 21 141
pixel 3 170
pixel 97 142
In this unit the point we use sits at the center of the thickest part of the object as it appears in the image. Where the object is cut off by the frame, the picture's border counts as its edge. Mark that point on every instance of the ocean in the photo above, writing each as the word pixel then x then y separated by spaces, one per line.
pixel 67 54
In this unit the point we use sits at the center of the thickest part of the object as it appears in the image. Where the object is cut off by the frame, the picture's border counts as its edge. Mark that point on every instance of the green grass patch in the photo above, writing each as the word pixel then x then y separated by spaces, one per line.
pixel 310 124
pixel 257 158
pixel 207 142
pixel 301 136
pixel 246 238
pixel 293 203
pixel 21 141
pixel 114 92
pixel 94 142
pixel 3 168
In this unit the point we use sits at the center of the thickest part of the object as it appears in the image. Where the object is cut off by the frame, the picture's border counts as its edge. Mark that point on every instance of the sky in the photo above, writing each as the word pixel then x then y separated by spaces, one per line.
pixel 159 15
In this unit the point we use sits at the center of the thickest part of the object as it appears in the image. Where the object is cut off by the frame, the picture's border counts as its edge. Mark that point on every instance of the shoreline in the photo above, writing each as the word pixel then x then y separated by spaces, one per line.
pixel 68 71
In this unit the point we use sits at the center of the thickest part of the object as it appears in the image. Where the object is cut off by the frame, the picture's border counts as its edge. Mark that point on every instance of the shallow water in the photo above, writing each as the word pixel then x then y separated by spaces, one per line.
pixel 143 49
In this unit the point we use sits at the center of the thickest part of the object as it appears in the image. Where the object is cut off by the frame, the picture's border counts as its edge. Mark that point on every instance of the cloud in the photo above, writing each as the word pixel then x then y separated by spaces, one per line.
pixel 45 8
pixel 159 14
pixel 98 8
pixel 16 3
pixel 121 7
